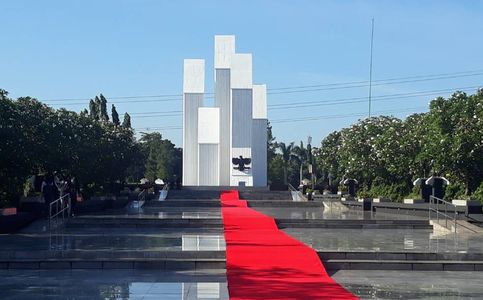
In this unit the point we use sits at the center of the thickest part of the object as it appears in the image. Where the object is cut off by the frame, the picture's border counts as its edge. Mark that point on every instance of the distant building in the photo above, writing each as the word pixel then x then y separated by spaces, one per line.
pixel 235 128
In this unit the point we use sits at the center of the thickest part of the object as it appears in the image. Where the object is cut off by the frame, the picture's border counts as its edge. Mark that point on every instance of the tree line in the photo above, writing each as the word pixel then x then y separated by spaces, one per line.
pixel 99 150
pixel 386 154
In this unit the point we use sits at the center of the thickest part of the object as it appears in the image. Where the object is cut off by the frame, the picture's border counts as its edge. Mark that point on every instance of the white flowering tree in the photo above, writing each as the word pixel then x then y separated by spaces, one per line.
pixel 385 153
pixel 460 148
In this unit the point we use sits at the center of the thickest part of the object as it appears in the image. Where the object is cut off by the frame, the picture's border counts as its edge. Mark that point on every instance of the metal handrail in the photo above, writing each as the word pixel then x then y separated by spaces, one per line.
pixel 436 201
pixel 299 193
pixel 142 198
pixel 162 194
pixel 142 195
pixel 62 205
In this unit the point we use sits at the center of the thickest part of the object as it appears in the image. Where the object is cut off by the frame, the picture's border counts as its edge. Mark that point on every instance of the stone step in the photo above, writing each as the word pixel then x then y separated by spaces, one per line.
pixel 281 203
pixel 193 194
pixel 415 265
pixel 399 256
pixel 353 224
pixel 184 203
pixel 8 255
pixel 266 195
pixel 192 264
pixel 144 222
pixel 216 203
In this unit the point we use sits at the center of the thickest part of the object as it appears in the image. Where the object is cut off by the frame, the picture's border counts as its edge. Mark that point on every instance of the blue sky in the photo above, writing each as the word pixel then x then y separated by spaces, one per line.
pixel 56 50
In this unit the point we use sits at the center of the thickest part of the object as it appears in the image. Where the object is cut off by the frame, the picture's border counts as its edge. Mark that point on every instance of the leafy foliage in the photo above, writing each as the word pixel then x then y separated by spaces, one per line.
pixel 126 122
pixel 385 154
pixel 115 116
pixel 100 154
pixel 162 159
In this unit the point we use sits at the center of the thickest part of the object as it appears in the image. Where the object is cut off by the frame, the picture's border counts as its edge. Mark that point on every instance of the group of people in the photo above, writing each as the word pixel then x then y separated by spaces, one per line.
pixel 58 185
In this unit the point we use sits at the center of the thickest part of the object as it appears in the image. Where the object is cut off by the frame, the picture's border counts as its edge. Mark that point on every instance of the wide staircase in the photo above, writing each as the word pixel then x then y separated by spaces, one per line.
pixel 185 232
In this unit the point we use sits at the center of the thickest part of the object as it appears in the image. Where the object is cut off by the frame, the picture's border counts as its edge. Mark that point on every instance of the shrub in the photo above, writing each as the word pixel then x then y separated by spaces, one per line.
pixel 393 192
pixel 455 190
pixel 478 194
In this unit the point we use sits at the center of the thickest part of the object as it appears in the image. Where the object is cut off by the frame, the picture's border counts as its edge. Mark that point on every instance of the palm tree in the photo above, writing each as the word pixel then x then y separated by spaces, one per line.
pixel 302 156
pixel 287 156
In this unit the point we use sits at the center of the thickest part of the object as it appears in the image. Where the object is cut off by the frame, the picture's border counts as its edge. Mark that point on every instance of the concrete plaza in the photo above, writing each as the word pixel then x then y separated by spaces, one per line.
pixel 175 249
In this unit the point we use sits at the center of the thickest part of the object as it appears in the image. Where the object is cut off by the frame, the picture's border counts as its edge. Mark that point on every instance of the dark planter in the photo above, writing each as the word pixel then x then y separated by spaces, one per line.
pixel 13 223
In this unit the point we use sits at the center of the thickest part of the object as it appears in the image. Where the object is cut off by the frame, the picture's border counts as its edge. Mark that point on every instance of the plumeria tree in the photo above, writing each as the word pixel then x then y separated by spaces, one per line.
pixel 459 122
pixel 385 153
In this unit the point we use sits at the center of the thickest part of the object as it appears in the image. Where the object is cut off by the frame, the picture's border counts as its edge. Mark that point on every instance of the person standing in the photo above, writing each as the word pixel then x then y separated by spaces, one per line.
pixel 72 190
pixel 48 191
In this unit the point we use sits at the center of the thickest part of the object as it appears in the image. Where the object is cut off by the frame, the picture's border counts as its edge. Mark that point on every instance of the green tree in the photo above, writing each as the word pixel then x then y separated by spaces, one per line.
pixel 287 157
pixel 115 116
pixel 276 177
pixel 458 146
pixel 3 94
pixel 163 159
pixel 327 158
pixel 271 143
pixel 301 156
pixel 97 102
pixel 103 109
pixel 93 110
pixel 36 139
pixel 386 154
pixel 126 122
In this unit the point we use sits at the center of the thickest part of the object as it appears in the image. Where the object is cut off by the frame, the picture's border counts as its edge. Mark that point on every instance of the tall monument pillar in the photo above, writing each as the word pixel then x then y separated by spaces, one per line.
pixel 241 115
pixel 193 92
pixel 224 50
pixel 209 146
pixel 259 135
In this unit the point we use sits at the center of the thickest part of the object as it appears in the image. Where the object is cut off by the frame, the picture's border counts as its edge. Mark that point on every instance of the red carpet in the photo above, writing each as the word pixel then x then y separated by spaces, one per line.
pixel 265 263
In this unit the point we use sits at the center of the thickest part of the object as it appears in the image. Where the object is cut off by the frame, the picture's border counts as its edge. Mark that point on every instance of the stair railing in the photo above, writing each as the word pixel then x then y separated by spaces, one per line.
pixel 58 209
pixel 440 208
pixel 163 194
pixel 142 196
pixel 299 196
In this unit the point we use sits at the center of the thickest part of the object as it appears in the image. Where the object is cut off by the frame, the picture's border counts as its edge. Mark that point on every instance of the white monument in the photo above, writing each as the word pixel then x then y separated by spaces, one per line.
pixel 224 145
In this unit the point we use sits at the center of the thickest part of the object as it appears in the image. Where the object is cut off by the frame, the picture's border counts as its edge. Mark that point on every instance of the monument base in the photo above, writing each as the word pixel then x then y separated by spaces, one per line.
pixel 224 188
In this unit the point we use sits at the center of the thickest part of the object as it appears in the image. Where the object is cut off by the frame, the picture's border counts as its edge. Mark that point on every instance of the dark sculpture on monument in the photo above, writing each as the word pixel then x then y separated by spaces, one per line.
pixel 241 163
pixel 351 186
pixel 426 189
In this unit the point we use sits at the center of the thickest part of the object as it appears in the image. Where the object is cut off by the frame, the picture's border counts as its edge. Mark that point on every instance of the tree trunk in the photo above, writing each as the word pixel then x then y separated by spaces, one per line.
pixel 285 175
pixel 301 170
pixel 467 186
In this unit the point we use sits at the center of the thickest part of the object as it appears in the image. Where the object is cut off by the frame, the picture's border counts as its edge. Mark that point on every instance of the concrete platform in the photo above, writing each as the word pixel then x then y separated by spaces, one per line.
pixel 387 240
pixel 401 284
pixel 113 284
pixel 354 224
pixel 160 264
pixel 113 221
pixel 362 264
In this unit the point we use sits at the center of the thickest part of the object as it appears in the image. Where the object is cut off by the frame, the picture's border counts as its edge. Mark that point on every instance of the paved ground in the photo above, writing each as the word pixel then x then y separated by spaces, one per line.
pixel 321 213
pixel 114 284
pixel 404 240
pixel 36 237
pixel 412 284
pixel 121 284
pixel 148 284
pixel 162 213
